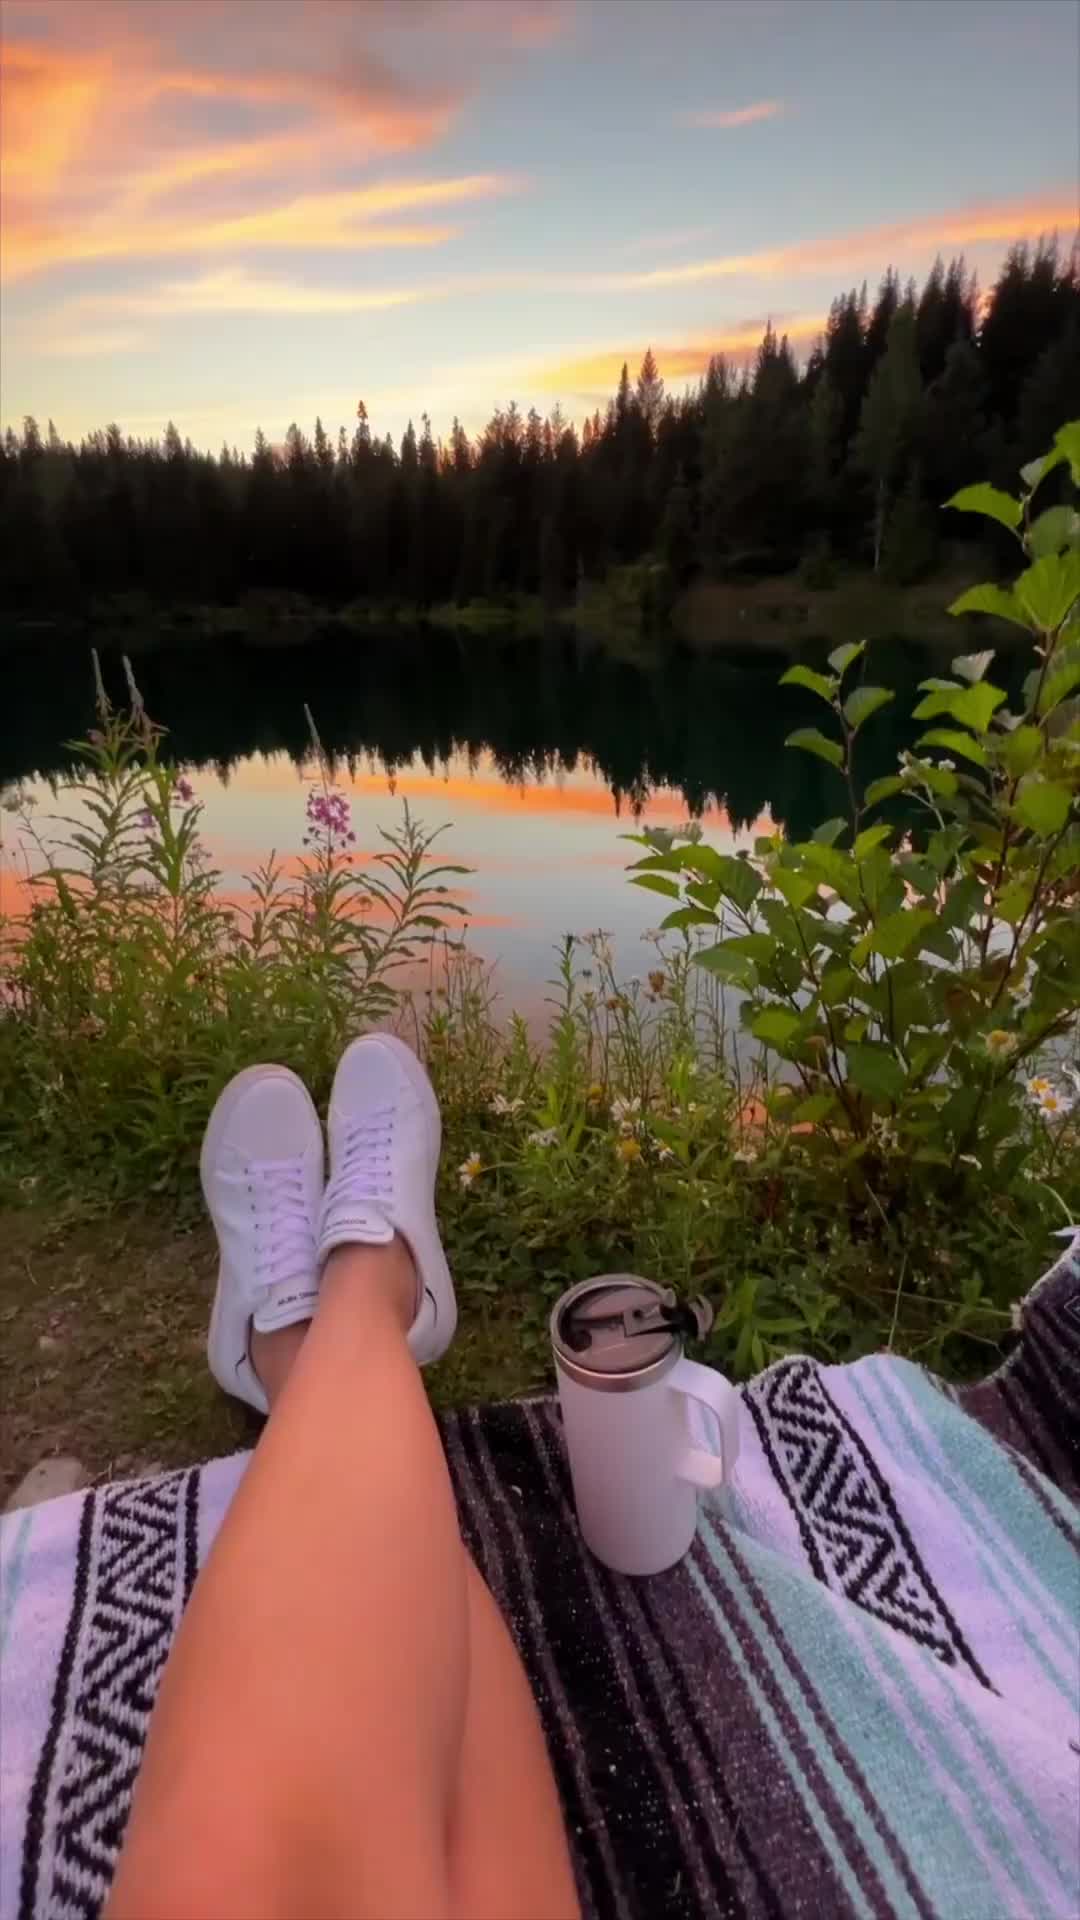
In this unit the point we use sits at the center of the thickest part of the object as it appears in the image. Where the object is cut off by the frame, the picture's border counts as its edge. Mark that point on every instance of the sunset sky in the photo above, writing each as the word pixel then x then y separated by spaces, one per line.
pixel 243 212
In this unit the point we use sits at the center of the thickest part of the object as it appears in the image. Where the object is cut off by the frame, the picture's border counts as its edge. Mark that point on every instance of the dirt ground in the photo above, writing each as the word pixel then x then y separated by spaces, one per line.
pixel 102 1345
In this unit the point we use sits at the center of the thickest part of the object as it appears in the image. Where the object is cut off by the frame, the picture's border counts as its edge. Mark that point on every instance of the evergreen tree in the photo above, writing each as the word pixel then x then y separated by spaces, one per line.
pixel 889 418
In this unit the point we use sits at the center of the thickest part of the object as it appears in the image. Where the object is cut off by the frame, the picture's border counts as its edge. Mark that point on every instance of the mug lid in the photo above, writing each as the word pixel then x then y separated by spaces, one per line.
pixel 619 1324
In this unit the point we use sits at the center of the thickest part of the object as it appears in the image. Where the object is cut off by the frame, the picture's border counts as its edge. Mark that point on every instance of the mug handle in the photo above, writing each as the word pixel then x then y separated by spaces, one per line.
pixel 704 1384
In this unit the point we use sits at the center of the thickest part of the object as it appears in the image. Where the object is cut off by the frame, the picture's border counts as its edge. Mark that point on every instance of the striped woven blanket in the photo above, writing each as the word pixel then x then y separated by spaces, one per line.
pixel 858 1695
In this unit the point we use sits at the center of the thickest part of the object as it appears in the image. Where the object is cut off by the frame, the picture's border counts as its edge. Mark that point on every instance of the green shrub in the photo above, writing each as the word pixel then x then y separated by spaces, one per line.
pixel 919 992
pixel 133 991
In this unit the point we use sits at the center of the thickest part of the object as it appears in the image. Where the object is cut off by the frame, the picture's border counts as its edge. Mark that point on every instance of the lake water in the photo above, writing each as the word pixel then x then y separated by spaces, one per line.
pixel 538 753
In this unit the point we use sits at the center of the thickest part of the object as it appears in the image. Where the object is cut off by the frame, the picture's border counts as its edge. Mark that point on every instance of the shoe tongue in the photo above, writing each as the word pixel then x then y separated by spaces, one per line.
pixel 354 1220
pixel 284 1303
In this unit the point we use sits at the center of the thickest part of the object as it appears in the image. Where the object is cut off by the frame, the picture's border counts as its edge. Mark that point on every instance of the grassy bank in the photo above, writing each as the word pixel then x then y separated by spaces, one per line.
pixel 633 605
pixel 839 1095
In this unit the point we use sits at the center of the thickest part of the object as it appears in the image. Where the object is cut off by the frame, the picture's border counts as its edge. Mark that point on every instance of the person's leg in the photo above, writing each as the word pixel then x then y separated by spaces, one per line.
pixel 343 1730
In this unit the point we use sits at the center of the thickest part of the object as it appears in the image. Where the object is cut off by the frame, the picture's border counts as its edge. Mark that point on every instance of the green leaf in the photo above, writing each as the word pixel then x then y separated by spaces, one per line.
pixel 883 789
pixel 1062 675
pixel 971 666
pixel 963 900
pixel 669 862
pixel 656 883
pixel 973 706
pixel 1037 470
pixel 876 1071
pixel 864 701
pixel 836 868
pixel 1020 749
pixel 841 658
pixel 998 601
pixel 1056 528
pixel 899 932
pixel 816 1107
pixel 1042 805
pixel 835 982
pixel 806 677
pixel 990 502
pixel 811 741
pixel 797 888
pixel 955 743
pixel 856 1029
pixel 1014 901
pixel 868 839
pixel 1067 445
pixel 829 832
pixel 737 968
pixel 775 1026
pixel 1048 589
pixel 687 917
pixel 737 879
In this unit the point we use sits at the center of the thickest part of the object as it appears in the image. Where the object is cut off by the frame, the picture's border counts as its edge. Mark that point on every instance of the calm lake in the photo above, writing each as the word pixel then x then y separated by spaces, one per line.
pixel 538 754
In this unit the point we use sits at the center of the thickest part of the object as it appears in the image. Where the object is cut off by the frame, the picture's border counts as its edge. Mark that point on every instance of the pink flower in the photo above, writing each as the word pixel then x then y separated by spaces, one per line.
pixel 330 812
pixel 183 790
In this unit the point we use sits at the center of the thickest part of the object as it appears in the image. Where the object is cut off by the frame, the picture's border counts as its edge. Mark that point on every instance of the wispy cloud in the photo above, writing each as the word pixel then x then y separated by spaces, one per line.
pixel 732 116
pixel 238 290
pixel 118 147
pixel 87 343
pixel 345 220
pixel 898 241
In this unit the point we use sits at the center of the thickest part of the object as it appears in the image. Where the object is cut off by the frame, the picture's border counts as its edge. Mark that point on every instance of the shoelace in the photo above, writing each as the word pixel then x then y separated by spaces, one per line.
pixel 363 1170
pixel 283 1231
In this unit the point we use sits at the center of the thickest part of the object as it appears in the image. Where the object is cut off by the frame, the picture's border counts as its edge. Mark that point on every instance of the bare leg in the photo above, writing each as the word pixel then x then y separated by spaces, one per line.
pixel 343 1730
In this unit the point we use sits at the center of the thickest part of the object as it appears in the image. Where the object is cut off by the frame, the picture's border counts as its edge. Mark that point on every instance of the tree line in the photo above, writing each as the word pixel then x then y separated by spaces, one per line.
pixel 843 461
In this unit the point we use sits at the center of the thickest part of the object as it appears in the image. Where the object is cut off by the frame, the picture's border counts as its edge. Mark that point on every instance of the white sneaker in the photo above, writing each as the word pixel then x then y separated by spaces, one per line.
pixel 385 1134
pixel 262 1177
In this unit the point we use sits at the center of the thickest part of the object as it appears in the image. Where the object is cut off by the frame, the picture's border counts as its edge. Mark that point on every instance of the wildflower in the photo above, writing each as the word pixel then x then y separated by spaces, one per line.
pixel 657 979
pixel 652 934
pixel 623 1110
pixel 543 1137
pixel 691 1106
pixel 1038 1086
pixel 183 790
pixel 503 1107
pixel 628 1150
pixel 947 766
pixel 665 1154
pixel 469 1169
pixel 1054 1103
pixel 999 1043
pixel 96 737
pixel 146 819
pixel 595 1094
pixel 745 1156
pixel 330 812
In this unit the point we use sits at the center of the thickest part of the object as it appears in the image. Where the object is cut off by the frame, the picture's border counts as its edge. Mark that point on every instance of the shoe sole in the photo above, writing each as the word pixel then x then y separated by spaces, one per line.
pixel 416 1073
pixel 227 1379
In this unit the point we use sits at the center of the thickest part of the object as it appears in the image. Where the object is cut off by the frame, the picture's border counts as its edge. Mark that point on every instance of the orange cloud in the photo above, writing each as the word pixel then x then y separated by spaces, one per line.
pixel 99 130
pixel 732 117
pixel 995 221
pixel 346 220
pixel 236 290
pixel 596 374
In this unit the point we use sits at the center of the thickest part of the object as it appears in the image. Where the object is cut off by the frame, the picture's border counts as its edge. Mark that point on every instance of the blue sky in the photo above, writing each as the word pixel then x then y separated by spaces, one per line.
pixel 247 211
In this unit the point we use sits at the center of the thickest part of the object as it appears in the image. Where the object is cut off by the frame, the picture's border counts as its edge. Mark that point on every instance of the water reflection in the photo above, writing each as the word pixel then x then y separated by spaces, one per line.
pixel 540 754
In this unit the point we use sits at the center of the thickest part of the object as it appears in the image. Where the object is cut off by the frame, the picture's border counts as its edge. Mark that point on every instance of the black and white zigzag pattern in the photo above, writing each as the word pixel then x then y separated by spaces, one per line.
pixel 853 1533
pixel 136 1563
